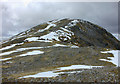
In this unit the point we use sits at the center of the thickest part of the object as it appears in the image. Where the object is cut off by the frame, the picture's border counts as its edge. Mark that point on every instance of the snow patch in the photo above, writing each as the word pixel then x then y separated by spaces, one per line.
pixel 4 59
pixel 73 23
pixel 37 39
pixel 114 59
pixel 44 40
pixel 73 46
pixel 32 39
pixel 7 53
pixel 61 45
pixel 19 50
pixel 32 48
pixel 58 45
pixel 42 74
pixel 70 32
pixel 77 67
pixel 8 47
pixel 49 26
pixel 35 52
pixel 54 73
pixel 50 36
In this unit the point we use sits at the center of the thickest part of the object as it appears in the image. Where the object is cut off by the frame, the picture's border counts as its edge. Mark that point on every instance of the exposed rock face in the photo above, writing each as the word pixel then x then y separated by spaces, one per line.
pixel 69 31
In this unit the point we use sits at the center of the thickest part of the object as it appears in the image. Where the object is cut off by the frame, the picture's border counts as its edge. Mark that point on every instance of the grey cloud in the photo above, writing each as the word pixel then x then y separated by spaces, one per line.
pixel 18 18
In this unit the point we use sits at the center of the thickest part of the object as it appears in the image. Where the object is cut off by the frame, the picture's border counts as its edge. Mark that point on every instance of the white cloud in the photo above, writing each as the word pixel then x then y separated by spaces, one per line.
pixel 18 17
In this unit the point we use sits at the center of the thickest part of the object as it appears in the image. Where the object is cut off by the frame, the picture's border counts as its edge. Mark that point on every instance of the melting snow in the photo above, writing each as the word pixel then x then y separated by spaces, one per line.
pixel 54 73
pixel 114 59
pixel 51 36
pixel 71 46
pixel 35 52
pixel 71 33
pixel 57 45
pixel 26 33
pixel 19 50
pixel 8 47
pixel 73 23
pixel 50 25
pixel 32 39
pixel 4 59
pixel 54 35
pixel 6 53
pixel 42 74
pixel 44 40
pixel 37 39
pixel 77 67
pixel 48 37
pixel 31 48
pixel 74 46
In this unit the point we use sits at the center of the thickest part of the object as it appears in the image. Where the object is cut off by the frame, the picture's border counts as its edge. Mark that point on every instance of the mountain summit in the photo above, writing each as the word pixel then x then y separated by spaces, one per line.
pixel 61 51
pixel 68 31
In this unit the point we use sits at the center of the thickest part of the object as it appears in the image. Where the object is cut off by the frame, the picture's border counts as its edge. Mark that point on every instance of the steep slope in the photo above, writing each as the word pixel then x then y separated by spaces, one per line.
pixel 68 31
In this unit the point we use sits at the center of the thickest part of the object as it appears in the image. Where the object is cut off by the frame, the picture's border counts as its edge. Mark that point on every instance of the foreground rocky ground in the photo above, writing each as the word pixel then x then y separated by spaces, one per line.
pixel 56 57
pixel 105 74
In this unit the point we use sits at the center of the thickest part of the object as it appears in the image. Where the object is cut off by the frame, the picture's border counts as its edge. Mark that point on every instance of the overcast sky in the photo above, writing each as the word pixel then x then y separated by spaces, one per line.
pixel 18 17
